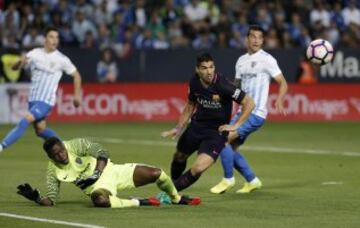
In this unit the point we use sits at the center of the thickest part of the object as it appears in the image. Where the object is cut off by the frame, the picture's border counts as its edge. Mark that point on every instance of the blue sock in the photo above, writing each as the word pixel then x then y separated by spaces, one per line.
pixel 227 161
pixel 47 133
pixel 15 133
pixel 243 167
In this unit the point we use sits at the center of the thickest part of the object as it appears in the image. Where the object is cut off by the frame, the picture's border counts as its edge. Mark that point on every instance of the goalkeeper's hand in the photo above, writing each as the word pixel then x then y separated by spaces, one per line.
pixel 84 183
pixel 29 193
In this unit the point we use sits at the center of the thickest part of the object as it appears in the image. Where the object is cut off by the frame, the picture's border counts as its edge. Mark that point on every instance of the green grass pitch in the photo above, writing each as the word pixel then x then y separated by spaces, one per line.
pixel 310 179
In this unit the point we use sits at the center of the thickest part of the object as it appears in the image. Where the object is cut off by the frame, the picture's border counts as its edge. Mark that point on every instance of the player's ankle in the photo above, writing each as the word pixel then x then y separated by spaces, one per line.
pixel 255 180
pixel 230 180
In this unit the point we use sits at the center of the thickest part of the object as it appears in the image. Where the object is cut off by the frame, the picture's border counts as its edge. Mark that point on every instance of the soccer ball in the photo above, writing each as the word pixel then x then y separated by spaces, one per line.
pixel 320 51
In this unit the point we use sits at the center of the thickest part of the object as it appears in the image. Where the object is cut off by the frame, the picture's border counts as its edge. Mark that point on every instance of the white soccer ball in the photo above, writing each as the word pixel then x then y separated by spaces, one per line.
pixel 320 51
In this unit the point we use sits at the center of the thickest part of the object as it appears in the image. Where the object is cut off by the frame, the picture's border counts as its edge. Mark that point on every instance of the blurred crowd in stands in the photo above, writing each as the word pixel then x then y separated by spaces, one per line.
pixel 124 25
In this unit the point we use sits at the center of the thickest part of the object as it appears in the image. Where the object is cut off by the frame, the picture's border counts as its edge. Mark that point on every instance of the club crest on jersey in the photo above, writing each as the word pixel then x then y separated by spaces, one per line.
pixel 78 160
pixel 216 97
pixel 253 64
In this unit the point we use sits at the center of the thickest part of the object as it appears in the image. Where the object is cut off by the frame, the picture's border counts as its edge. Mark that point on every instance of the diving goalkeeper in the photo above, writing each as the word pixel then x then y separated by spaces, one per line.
pixel 87 165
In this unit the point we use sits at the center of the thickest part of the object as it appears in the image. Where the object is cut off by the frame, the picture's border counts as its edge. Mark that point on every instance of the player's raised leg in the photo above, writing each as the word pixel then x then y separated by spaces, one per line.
pixel 42 131
pixel 17 132
pixel 202 163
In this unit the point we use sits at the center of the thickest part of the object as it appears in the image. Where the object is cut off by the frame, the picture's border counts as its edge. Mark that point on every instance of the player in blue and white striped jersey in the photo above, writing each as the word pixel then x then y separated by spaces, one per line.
pixel 47 65
pixel 254 71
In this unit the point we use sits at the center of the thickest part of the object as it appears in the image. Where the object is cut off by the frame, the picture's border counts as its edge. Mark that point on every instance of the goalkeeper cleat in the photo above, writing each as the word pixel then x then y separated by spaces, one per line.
pixel 149 202
pixel 250 186
pixel 222 187
pixel 186 200
pixel 163 198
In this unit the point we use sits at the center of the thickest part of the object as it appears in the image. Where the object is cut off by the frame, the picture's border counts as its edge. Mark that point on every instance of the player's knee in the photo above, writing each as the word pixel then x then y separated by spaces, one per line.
pixel 197 170
pixel 29 117
pixel 155 174
pixel 39 130
pixel 100 200
pixel 180 157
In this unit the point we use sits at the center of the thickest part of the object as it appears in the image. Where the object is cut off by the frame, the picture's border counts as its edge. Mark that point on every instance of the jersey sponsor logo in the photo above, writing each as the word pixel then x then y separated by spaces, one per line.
pixel 236 94
pixel 78 160
pixel 83 173
pixel 216 97
pixel 248 75
pixel 209 103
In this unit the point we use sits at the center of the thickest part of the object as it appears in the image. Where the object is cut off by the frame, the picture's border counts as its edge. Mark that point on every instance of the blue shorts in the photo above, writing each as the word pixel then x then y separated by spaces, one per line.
pixel 252 124
pixel 40 110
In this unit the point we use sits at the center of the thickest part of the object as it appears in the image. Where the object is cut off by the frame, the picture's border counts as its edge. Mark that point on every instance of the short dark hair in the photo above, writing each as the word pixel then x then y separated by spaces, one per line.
pixel 203 57
pixel 50 29
pixel 50 142
pixel 256 28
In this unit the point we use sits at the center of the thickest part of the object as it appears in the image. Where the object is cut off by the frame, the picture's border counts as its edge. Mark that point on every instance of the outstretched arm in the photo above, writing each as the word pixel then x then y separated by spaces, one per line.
pixel 21 63
pixel 247 105
pixel 283 88
pixel 33 195
pixel 182 122
pixel 77 88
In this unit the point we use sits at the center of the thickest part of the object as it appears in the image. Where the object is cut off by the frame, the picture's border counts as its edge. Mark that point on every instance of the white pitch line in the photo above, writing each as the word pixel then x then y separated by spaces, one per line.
pixel 251 148
pixel 49 221
pixel 332 183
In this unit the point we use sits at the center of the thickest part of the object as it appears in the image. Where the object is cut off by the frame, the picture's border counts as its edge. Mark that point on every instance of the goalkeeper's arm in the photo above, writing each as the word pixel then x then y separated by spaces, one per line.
pixel 34 195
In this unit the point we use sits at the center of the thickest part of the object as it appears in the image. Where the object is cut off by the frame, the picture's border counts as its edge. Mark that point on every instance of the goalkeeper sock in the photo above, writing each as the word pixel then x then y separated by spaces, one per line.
pixel 185 180
pixel 177 168
pixel 116 202
pixel 227 161
pixel 15 133
pixel 243 167
pixel 165 184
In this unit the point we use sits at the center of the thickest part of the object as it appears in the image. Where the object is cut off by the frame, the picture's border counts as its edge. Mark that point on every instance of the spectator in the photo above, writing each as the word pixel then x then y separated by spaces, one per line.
pixel 107 70
pixel 320 14
pixel 351 14
pixel 7 60
pixel 102 15
pixel 67 37
pixel 33 39
pixel 81 25
pixel 90 41
pixel 169 13
pixel 337 16
pixel 272 41
pixel 195 12
pixel 237 41
pixel 205 40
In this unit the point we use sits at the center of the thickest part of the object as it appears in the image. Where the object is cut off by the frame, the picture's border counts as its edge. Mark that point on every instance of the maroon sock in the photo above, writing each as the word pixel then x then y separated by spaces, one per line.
pixel 177 168
pixel 185 180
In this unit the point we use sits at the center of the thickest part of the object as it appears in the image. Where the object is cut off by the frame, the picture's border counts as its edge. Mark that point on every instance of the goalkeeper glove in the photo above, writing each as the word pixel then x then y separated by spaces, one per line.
pixel 84 183
pixel 29 193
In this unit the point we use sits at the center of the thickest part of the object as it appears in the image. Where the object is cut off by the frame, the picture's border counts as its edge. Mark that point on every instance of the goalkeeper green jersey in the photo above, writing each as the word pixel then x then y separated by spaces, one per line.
pixel 82 156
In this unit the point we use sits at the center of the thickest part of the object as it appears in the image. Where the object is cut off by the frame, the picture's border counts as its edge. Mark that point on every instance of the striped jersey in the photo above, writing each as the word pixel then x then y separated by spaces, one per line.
pixel 255 71
pixel 46 71
pixel 82 155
